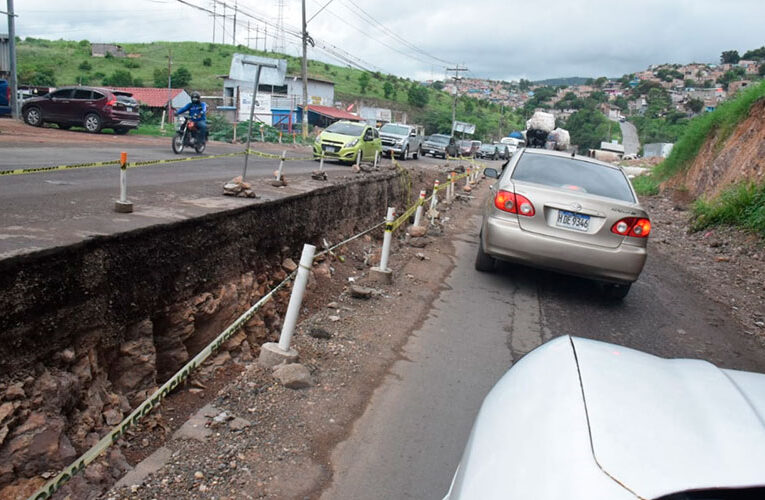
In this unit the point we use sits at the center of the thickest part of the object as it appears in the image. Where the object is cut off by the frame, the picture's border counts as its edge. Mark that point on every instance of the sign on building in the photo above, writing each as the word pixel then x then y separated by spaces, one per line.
pixel 262 107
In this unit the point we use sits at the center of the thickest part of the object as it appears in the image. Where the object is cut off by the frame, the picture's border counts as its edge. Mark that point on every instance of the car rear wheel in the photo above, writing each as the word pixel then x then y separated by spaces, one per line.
pixel 483 261
pixel 33 117
pixel 616 291
pixel 92 123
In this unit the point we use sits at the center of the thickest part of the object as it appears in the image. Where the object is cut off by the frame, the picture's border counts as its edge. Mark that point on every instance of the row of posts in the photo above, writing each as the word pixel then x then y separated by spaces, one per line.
pixel 273 354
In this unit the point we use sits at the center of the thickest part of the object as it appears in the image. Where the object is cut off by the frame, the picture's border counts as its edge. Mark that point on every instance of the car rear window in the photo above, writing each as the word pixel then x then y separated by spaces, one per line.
pixel 571 173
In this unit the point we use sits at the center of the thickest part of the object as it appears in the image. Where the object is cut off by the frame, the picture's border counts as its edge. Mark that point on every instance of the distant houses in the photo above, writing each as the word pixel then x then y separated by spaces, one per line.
pixel 102 49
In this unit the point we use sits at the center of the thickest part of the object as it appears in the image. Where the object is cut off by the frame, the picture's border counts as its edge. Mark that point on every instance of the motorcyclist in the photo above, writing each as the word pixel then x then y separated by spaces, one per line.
pixel 198 114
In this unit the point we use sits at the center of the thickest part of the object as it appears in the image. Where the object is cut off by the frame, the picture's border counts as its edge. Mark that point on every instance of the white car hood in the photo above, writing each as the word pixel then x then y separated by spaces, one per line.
pixel 662 426
pixel 638 426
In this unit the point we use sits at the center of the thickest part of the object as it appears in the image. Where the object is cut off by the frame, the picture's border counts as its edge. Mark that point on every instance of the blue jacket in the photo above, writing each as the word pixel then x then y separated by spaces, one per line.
pixel 197 112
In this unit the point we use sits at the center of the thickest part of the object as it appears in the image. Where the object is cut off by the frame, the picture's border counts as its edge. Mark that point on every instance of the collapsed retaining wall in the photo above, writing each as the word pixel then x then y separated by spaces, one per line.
pixel 88 330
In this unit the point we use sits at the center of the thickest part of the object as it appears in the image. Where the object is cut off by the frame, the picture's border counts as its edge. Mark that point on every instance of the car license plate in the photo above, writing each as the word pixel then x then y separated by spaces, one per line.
pixel 331 149
pixel 571 220
pixel 130 110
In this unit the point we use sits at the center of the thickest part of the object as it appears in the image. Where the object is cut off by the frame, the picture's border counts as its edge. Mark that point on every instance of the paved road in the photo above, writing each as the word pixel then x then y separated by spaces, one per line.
pixel 410 439
pixel 629 138
pixel 47 209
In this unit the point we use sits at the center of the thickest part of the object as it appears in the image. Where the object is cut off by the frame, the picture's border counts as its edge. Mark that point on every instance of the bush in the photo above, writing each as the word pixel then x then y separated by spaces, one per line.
pixel 160 77
pixel 120 78
pixel 742 205
pixel 181 77
pixel 130 63
pixel 85 66
pixel 645 185
pixel 207 62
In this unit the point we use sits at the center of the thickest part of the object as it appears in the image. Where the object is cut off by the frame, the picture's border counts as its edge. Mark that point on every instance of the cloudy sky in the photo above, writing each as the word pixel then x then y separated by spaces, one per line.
pixel 498 39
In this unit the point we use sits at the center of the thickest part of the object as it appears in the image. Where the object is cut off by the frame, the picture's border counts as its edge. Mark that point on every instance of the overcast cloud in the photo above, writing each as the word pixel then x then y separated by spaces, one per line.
pixel 498 39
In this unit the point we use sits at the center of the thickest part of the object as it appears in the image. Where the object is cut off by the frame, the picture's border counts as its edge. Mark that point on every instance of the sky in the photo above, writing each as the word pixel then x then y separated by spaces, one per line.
pixel 494 39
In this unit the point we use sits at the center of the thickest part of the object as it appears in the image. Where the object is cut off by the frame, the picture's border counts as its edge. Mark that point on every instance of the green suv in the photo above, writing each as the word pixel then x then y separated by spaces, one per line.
pixel 344 140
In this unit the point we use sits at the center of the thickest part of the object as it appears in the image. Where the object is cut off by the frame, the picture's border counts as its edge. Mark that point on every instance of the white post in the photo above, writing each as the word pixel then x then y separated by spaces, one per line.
pixel 467 178
pixel 434 199
pixel 296 299
pixel 321 162
pixel 375 159
pixel 281 166
pixel 358 159
pixel 123 205
pixel 387 238
pixel 418 212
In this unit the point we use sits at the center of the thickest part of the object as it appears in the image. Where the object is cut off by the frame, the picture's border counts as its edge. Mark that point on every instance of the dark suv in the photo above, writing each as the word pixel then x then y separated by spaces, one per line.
pixel 92 108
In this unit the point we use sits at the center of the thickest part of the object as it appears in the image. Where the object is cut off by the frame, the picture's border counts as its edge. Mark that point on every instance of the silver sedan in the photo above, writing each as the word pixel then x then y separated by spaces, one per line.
pixel 568 214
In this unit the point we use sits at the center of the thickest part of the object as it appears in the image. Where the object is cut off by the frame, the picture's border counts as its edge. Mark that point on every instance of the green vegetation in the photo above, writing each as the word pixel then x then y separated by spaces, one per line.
pixel 61 62
pixel 742 205
pixel 718 124
pixel 645 185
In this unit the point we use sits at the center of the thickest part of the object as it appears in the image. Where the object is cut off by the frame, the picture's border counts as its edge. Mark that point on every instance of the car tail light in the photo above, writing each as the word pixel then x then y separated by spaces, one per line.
pixel 637 227
pixel 112 102
pixel 508 201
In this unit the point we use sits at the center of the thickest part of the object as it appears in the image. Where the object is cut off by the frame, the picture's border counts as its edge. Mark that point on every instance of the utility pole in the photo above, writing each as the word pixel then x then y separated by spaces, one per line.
pixel 215 18
pixel 305 76
pixel 169 85
pixel 233 36
pixel 12 49
pixel 457 69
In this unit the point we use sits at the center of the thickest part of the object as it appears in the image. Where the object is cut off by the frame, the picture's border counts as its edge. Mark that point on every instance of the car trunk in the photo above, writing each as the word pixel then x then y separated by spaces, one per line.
pixel 569 215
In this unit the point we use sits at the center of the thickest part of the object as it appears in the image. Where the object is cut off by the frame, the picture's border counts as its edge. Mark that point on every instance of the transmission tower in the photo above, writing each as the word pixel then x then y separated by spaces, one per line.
pixel 280 44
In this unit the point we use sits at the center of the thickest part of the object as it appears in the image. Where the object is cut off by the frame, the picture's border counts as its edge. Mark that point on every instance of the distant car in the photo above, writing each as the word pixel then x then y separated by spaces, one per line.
pixel 89 107
pixel 5 97
pixel 440 145
pixel 401 140
pixel 573 215
pixel 490 151
pixel 580 419
pixel 345 140
pixel 468 148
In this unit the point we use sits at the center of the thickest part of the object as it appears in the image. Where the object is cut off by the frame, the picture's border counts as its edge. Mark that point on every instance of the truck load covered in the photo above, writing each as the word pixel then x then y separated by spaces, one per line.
pixel 541 121
pixel 559 139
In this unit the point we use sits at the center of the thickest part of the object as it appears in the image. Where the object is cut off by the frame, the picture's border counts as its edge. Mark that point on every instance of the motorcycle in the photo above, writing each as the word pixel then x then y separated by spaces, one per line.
pixel 186 135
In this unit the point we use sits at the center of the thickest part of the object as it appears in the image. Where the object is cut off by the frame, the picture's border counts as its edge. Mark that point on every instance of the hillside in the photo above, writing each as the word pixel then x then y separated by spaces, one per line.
pixel 61 62
pixel 569 81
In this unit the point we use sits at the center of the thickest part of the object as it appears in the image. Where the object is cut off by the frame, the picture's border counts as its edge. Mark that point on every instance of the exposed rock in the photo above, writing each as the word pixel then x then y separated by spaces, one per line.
pixel 67 356
pixel 237 187
pixel 135 368
pixel 112 417
pixel 58 392
pixel 293 376
pixel 361 292
pixel 319 175
pixel 289 265
pixel 235 341
pixel 334 318
pixel 323 271
pixel 418 242
pixel 37 445
pixel 15 391
pixel 319 333
pixel 417 231
pixel 6 411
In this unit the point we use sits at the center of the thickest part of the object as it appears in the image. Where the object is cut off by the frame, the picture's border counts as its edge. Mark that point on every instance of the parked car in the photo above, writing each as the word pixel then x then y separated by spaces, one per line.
pixel 574 215
pixel 401 140
pixel 5 97
pixel 89 107
pixel 468 148
pixel 440 145
pixel 580 419
pixel 344 140
pixel 490 151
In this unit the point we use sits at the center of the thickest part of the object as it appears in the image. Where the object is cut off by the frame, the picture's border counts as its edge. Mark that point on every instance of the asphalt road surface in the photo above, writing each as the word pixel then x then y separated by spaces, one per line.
pixel 409 441
pixel 629 138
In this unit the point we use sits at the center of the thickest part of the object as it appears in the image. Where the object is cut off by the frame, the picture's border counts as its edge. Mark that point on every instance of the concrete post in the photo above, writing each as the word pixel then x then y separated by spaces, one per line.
pixel 122 205
pixel 382 274
pixel 296 299
pixel 467 178
pixel 434 199
pixel 358 159
pixel 280 137
pixel 418 212
pixel 321 162
pixel 281 166
pixel 375 164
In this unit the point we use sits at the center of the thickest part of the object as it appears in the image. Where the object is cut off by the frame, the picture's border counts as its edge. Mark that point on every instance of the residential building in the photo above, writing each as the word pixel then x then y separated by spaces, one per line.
pixel 101 49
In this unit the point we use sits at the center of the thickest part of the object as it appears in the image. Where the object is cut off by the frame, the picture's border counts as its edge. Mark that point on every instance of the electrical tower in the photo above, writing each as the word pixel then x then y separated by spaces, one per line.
pixel 280 44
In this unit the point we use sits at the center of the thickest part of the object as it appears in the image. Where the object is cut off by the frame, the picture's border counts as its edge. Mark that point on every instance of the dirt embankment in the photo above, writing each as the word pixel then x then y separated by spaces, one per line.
pixel 741 157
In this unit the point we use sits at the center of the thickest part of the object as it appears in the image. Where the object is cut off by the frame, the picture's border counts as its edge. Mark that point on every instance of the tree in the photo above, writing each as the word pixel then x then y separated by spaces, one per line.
pixel 690 83
pixel 438 85
pixel 695 105
pixel 363 82
pixel 160 77
pixel 41 77
pixel 761 70
pixel 120 78
pixel 524 84
pixel 84 66
pixel 208 62
pixel 417 95
pixel 599 82
pixel 588 127
pixel 181 77
pixel 388 89
pixel 756 54
pixel 730 57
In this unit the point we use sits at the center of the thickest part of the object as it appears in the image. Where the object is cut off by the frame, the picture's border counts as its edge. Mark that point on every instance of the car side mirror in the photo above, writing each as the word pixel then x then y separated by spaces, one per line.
pixel 491 172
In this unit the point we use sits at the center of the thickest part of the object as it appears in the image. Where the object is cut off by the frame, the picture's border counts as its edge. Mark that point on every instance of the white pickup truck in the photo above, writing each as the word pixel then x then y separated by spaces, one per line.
pixel 401 140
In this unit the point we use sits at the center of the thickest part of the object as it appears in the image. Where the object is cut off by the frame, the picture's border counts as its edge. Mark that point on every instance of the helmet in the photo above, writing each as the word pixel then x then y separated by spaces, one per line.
pixel 195 97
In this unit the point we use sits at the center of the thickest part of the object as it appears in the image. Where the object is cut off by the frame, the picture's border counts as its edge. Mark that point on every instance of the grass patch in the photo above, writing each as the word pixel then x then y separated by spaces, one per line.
pixel 721 122
pixel 742 205
pixel 645 185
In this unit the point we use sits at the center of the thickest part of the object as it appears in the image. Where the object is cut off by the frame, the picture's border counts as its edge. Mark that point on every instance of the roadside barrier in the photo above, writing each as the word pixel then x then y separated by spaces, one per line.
pixel 122 205
pixel 155 400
